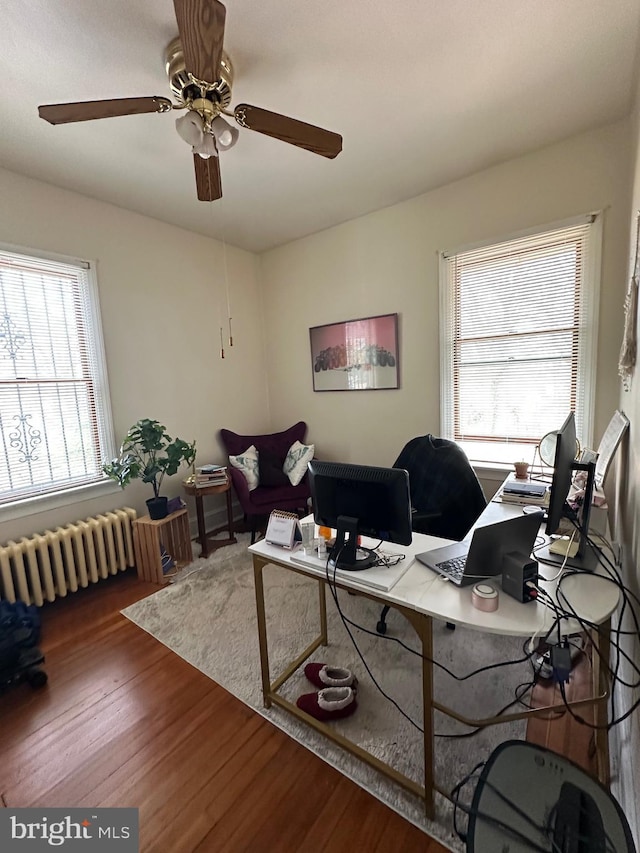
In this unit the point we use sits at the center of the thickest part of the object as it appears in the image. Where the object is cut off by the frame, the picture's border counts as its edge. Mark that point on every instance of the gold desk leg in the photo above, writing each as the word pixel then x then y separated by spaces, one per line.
pixel 322 603
pixel 258 566
pixel 423 626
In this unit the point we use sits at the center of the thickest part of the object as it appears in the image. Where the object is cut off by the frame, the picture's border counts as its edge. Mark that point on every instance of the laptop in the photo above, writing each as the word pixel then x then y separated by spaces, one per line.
pixel 469 561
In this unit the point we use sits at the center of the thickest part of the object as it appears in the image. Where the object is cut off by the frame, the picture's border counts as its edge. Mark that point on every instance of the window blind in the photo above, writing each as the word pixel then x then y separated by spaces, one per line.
pixel 518 329
pixel 55 427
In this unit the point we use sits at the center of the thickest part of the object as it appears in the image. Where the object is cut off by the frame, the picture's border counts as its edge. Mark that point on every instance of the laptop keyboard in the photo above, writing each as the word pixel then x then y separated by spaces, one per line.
pixel 454 569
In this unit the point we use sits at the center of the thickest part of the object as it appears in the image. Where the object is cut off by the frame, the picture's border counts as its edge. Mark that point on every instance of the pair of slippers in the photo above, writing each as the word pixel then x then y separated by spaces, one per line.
pixel 337 695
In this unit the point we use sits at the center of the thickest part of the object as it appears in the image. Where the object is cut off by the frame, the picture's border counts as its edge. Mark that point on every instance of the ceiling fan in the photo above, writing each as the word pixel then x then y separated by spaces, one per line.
pixel 200 76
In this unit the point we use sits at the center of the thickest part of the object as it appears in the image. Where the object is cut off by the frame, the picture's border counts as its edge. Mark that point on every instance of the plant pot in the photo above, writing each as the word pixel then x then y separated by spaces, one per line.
pixel 157 508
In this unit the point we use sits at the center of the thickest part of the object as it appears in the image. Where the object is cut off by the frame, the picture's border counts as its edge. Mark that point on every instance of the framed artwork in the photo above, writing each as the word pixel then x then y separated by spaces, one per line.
pixel 355 355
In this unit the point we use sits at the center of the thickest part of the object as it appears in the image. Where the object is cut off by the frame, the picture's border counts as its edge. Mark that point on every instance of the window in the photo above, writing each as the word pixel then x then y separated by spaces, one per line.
pixel 518 339
pixel 55 419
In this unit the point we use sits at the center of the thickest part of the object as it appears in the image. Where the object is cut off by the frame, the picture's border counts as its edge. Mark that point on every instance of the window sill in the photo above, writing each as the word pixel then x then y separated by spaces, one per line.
pixel 33 506
pixel 491 470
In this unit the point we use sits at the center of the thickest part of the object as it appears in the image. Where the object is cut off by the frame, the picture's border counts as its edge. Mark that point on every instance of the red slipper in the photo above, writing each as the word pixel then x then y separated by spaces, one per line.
pixel 332 703
pixel 323 675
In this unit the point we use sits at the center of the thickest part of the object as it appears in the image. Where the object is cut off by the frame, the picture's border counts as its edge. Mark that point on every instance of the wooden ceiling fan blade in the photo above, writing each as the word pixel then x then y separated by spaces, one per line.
pixel 315 139
pixel 201 29
pixel 208 183
pixel 89 110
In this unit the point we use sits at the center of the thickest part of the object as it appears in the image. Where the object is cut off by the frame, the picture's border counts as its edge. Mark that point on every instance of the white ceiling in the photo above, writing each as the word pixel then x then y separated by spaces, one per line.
pixel 422 91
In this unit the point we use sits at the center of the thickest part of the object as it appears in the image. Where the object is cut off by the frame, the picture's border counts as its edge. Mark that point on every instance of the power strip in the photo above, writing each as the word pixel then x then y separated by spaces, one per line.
pixel 542 662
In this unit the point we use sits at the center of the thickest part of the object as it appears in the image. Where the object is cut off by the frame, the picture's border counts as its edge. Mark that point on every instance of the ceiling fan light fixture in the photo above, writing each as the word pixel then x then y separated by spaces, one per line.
pixel 206 147
pixel 190 127
pixel 226 135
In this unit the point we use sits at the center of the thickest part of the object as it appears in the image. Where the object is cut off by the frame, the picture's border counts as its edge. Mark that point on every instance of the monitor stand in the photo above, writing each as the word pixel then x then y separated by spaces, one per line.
pixel 346 554
pixel 587 561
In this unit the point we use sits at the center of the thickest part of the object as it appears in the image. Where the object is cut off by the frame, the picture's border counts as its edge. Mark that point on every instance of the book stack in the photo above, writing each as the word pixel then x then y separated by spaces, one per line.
pixel 211 475
pixel 525 493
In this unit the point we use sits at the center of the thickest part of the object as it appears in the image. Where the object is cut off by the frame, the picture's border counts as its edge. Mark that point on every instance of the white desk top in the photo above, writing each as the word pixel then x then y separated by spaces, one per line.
pixel 590 595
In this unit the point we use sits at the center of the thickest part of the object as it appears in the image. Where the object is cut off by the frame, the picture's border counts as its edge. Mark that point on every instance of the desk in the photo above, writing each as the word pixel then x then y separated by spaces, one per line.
pixel 421 600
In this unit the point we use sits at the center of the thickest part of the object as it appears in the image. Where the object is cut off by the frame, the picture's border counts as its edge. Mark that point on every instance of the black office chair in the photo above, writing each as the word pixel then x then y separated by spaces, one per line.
pixel 530 798
pixel 446 495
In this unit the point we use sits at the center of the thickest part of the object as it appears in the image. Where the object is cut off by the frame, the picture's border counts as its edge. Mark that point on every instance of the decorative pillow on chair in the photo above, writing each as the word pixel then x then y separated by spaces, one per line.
pixel 270 469
pixel 247 462
pixel 295 464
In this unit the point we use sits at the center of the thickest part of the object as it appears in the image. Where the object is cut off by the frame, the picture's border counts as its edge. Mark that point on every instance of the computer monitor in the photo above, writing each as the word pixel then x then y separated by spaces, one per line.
pixel 563 471
pixel 360 500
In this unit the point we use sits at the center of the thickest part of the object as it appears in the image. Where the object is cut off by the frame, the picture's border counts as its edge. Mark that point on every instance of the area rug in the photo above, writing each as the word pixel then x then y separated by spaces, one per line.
pixel 208 617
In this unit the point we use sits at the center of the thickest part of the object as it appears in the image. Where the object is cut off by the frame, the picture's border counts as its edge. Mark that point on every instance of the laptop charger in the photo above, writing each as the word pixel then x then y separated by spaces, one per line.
pixel 518 571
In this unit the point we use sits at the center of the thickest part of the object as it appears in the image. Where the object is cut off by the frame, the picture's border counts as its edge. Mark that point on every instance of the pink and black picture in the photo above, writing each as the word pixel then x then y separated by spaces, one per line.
pixel 356 355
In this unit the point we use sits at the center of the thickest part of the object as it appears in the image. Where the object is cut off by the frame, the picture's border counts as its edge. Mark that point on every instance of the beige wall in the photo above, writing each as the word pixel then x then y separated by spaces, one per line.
pixel 626 517
pixel 388 262
pixel 161 293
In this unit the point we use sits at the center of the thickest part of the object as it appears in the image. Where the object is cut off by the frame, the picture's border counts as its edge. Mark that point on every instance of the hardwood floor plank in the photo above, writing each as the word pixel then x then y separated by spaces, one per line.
pixel 200 805
pixel 121 753
pixel 101 718
pixel 229 834
pixel 317 834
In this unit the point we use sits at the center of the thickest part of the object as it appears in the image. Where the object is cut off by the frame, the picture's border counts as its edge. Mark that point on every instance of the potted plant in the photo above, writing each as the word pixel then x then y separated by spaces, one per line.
pixel 148 453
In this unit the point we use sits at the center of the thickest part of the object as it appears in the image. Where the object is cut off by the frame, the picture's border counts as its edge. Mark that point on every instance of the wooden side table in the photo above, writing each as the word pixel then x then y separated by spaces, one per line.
pixel 149 535
pixel 207 544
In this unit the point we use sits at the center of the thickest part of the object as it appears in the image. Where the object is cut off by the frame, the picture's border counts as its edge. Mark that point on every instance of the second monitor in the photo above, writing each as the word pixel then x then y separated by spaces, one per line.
pixel 360 500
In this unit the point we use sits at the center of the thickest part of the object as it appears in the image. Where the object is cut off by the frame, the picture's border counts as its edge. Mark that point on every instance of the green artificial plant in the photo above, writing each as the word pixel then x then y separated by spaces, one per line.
pixel 148 453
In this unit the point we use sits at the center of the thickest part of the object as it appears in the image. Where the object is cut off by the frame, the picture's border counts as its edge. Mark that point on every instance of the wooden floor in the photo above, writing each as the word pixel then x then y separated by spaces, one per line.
pixel 125 722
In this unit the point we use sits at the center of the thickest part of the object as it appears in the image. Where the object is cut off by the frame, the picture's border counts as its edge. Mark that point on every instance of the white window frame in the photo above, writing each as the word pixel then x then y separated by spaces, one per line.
pixel 51 498
pixel 588 342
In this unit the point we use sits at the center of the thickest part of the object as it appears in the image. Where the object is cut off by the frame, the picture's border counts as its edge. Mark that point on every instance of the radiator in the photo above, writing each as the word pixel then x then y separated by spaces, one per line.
pixel 49 565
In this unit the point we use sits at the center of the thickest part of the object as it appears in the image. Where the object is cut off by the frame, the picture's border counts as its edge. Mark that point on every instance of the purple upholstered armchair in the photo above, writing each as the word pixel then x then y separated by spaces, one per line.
pixel 274 490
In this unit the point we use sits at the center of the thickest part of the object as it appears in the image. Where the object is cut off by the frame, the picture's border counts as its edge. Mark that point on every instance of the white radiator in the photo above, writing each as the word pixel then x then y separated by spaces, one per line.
pixel 48 565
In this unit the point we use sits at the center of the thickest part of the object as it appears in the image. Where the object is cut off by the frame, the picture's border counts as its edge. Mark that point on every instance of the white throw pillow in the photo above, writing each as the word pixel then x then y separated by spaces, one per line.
pixel 247 462
pixel 295 463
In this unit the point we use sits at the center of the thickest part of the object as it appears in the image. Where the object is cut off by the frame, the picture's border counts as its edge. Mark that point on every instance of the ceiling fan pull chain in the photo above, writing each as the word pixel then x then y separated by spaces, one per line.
pixel 226 285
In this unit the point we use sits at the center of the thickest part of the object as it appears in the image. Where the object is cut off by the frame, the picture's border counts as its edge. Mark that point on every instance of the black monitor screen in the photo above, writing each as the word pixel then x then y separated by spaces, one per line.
pixel 360 500
pixel 565 465
pixel 562 473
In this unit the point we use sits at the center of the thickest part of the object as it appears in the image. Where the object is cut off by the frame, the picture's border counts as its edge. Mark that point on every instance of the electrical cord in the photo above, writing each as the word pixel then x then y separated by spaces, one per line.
pixel 348 623
pixel 562 609
pixel 544 830
pixel 528 685
pixel 611 575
